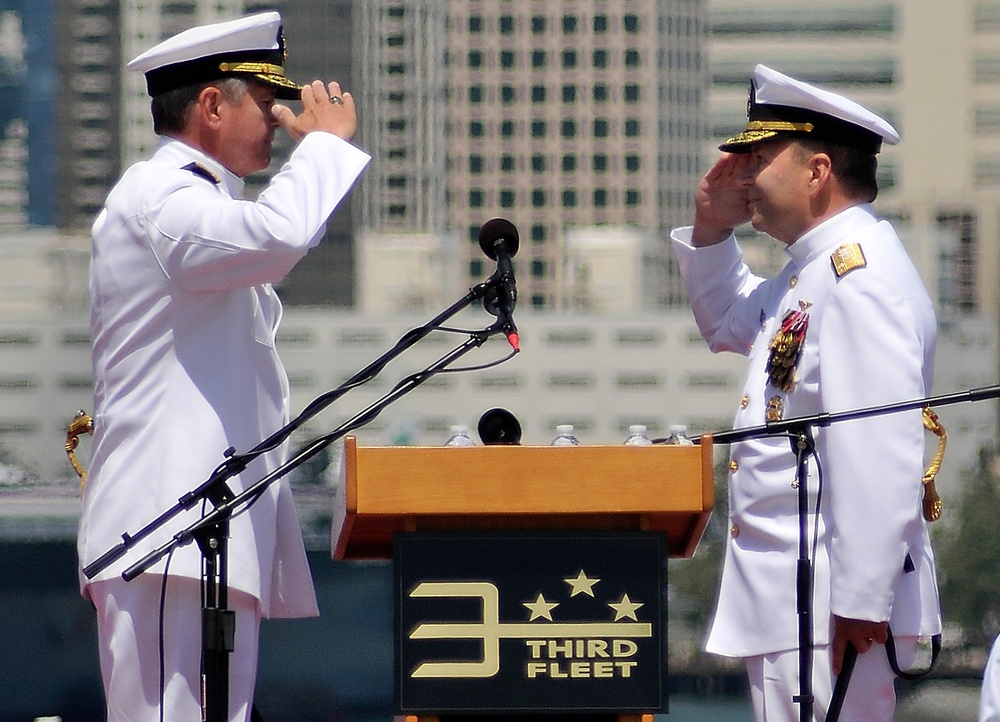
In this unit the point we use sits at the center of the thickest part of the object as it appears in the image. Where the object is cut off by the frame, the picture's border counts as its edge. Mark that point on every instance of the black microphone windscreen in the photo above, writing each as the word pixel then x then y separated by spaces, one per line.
pixel 499 426
pixel 494 230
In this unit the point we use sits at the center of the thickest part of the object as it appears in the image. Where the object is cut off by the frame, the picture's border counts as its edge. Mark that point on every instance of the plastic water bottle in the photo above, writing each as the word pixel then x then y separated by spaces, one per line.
pixel 564 436
pixel 460 436
pixel 678 436
pixel 637 436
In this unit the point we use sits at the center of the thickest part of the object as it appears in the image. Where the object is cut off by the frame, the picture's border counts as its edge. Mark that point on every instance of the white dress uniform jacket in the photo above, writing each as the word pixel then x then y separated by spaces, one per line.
pixel 183 322
pixel 869 341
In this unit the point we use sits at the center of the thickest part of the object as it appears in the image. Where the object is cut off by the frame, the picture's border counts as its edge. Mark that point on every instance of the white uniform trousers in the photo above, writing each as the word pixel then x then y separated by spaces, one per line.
pixel 128 616
pixel 871 696
pixel 989 699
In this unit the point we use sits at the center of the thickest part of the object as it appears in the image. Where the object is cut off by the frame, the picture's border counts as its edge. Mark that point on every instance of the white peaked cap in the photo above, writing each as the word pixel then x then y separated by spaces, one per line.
pixel 780 105
pixel 250 47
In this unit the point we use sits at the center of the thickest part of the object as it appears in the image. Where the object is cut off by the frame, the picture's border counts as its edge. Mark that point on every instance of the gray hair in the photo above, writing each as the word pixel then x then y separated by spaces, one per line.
pixel 170 109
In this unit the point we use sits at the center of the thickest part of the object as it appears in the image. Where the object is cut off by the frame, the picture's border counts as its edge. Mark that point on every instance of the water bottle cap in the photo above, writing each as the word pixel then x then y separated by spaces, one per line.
pixel 564 429
pixel 678 428
pixel 459 429
pixel 637 429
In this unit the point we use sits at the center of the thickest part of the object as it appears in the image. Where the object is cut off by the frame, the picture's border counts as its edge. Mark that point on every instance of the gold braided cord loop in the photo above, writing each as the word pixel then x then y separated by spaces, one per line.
pixel 932 502
pixel 780 125
pixel 255 68
pixel 81 424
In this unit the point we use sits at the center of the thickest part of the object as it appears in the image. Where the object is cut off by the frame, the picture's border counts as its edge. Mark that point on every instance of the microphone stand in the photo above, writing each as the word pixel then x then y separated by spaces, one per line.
pixel 211 531
pixel 799 430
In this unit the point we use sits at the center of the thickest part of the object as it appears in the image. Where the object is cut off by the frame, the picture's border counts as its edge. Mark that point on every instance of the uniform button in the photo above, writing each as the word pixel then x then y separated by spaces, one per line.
pixel 735 531
pixel 744 402
pixel 734 465
pixel 793 281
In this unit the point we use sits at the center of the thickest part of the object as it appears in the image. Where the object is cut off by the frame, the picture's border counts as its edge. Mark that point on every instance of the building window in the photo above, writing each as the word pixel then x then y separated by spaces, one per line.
pixel 508 94
pixel 475 59
pixel 538 269
pixel 569 129
pixel 475 268
pixel 538 24
pixel 538 58
pixel 508 129
pixel 600 197
pixel 538 233
pixel 476 198
pixel 538 129
pixel 633 197
pixel 569 58
pixel 538 199
pixel 476 129
pixel 631 23
pixel 631 93
pixel 538 94
pixel 632 128
pixel 475 24
pixel 538 163
pixel 569 163
pixel 631 58
pixel 600 163
pixel 709 380
pixel 570 337
pixel 506 25
pixel 600 23
pixel 569 93
pixel 600 58
pixel 601 128
pixel 958 261
pixel 475 94
pixel 600 93
pixel 638 381
pixel 632 163
pixel 507 199
pixel 569 198
pixel 507 59
pixel 569 23
pixel 507 163
pixel 639 337
pixel 475 164
pixel 566 380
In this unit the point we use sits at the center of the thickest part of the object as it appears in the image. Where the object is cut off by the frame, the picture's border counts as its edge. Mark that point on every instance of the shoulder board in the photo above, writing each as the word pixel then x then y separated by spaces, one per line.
pixel 846 258
pixel 203 172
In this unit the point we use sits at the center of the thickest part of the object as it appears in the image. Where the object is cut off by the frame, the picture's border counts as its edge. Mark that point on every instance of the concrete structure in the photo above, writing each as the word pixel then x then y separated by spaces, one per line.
pixel 600 373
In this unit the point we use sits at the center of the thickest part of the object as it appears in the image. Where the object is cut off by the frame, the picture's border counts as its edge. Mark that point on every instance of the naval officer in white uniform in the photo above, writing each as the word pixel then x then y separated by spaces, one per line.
pixel 184 320
pixel 846 324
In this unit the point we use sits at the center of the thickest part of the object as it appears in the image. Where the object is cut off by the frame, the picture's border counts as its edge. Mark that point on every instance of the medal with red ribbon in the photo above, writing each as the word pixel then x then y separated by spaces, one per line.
pixel 786 348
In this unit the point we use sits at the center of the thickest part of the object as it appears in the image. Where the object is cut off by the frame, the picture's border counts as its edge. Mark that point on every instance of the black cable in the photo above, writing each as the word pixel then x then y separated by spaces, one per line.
pixel 162 646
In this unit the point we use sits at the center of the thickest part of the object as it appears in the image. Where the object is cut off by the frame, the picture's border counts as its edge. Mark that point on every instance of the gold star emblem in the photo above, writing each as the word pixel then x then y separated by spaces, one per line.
pixel 540 608
pixel 625 608
pixel 582 584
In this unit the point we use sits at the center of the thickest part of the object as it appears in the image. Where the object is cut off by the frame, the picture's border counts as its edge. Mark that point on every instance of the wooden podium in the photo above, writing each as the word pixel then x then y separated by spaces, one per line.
pixel 386 490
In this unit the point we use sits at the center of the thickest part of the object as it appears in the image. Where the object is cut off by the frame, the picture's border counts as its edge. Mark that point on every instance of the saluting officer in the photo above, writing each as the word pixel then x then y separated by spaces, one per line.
pixel 184 319
pixel 846 324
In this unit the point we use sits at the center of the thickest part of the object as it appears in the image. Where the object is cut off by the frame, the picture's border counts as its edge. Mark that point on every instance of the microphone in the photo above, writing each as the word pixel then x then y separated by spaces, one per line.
pixel 499 240
pixel 499 427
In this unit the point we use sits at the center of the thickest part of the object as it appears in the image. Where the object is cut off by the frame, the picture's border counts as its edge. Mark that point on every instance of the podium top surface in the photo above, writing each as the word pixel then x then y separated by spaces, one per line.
pixel 394 488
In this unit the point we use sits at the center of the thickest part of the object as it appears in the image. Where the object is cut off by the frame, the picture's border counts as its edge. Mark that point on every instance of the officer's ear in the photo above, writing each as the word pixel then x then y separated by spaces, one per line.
pixel 820 169
pixel 209 107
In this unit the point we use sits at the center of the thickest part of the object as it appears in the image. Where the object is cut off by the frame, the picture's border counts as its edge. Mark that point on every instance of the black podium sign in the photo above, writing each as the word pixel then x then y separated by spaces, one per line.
pixel 526 622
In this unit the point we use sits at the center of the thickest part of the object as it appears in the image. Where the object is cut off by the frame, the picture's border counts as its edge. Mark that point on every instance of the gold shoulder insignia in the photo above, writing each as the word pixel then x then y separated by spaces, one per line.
pixel 846 258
